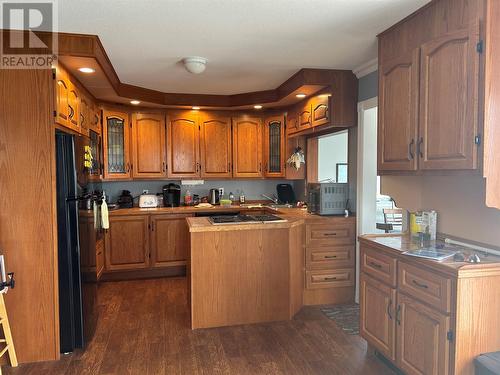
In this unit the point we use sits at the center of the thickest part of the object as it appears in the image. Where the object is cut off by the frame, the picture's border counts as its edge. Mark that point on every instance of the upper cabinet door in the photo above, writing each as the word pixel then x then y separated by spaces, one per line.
pixel 320 110
pixel 73 107
pixel 183 144
pixel 85 115
pixel 148 146
pixel 215 146
pixel 398 113
pixel 247 147
pixel 449 101
pixel 62 89
pixel 304 118
pixel 116 142
pixel 274 147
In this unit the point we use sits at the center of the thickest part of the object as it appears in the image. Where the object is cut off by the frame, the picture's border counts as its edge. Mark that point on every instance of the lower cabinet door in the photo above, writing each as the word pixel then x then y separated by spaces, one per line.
pixel 127 243
pixel 423 346
pixel 377 315
pixel 170 240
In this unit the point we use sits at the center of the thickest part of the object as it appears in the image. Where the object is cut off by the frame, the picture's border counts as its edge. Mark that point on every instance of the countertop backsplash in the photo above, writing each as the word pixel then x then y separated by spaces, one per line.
pixel 252 189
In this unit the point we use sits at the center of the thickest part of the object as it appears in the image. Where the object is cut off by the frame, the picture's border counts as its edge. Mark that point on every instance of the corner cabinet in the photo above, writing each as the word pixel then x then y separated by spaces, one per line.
pixel 274 146
pixel 183 148
pixel 148 146
pixel 116 144
pixel 429 101
pixel 247 147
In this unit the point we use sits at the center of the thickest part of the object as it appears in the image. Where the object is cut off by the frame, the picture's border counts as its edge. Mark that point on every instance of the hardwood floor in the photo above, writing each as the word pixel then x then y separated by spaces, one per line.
pixel 144 329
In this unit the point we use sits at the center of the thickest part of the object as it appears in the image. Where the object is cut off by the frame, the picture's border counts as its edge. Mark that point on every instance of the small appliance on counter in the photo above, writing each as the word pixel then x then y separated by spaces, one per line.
pixel 214 196
pixel 286 195
pixel 327 198
pixel 171 195
pixel 148 201
pixel 125 200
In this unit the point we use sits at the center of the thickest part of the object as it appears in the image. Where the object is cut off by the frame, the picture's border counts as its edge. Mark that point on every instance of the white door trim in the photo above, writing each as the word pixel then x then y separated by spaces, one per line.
pixel 362 107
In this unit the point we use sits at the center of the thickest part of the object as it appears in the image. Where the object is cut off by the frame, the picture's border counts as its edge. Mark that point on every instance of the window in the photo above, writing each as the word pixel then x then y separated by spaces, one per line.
pixel 332 157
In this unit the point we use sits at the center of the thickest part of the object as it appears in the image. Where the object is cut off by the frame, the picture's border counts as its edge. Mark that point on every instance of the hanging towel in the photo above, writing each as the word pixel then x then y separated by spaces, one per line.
pixel 104 215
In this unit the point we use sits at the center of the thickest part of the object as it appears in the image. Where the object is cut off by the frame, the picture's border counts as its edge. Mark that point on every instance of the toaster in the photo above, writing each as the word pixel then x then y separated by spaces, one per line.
pixel 148 200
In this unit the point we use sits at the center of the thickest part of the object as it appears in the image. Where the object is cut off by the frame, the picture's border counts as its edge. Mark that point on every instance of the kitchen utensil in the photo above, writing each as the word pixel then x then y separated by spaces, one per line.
pixel 285 193
pixel 214 196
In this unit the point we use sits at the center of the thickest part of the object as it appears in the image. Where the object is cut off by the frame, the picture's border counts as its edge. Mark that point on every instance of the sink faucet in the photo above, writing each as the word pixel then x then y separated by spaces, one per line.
pixel 274 199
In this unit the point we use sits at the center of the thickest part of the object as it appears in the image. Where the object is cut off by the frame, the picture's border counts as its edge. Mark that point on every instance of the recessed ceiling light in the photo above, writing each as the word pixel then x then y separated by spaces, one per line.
pixel 135 102
pixel 258 106
pixel 86 70
pixel 300 96
pixel 325 95
pixel 195 108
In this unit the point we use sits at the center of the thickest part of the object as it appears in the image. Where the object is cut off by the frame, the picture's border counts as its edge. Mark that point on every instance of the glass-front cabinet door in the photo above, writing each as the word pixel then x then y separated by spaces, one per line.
pixel 116 126
pixel 274 141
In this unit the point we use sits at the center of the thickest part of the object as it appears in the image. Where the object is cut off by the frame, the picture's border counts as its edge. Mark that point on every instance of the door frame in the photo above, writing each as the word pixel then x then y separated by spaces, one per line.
pixel 361 201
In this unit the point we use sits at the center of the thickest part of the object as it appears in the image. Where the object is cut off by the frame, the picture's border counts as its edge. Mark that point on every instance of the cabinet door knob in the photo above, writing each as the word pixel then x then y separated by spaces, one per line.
pixel 398 315
pixel 410 149
pixel 419 147
pixel 389 305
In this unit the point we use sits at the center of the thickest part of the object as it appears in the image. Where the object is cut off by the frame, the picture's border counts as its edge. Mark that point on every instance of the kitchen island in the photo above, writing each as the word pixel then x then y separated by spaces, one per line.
pixel 245 273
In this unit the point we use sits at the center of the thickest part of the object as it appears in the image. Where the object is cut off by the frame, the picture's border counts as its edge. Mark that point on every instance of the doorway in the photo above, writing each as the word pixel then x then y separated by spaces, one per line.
pixel 367 180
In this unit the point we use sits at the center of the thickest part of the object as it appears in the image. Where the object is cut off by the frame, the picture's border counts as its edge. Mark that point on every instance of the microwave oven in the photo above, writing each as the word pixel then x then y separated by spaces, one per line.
pixel 327 198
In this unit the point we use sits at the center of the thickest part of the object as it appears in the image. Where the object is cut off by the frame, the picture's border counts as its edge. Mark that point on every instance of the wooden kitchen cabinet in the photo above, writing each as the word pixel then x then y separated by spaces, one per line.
pixel 148 146
pixel 62 89
pixel 449 101
pixel 398 113
pixel 73 107
pixel 247 147
pixel 377 315
pixel 215 146
pixel 183 150
pixel 320 110
pixel 429 84
pixel 85 115
pixel 274 146
pixel 292 121
pixel 169 240
pixel 116 144
pixel 423 346
pixel 304 116
pixel 127 243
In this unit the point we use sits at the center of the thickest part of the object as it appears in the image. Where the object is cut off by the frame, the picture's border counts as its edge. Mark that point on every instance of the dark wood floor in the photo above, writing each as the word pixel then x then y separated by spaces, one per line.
pixel 144 329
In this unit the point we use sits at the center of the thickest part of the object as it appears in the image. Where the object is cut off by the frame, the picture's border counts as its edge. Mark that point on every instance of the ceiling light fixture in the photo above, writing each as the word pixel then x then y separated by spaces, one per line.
pixel 135 102
pixel 195 108
pixel 195 64
pixel 257 106
pixel 86 70
pixel 300 96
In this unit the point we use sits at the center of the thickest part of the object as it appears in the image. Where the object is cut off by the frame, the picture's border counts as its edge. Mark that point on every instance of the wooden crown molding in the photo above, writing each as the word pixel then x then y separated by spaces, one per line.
pixel 81 45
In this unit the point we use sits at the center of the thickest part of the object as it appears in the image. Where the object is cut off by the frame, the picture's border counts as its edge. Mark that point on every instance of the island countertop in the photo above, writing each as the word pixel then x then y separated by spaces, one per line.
pixel 202 224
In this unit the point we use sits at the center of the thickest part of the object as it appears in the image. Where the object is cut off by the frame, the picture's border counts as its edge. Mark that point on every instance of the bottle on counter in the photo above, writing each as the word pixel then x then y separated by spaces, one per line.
pixel 188 198
pixel 231 196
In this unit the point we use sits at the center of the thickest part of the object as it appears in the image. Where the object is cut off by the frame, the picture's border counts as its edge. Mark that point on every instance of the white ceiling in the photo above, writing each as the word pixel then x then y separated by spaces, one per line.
pixel 251 45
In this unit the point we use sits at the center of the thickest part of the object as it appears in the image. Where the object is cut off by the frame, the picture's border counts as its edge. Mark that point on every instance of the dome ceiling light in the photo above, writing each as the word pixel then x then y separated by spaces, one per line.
pixel 195 64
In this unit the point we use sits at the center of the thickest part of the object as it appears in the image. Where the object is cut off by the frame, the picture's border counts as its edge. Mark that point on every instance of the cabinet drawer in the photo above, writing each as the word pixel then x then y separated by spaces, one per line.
pixel 378 265
pixel 329 278
pixel 427 286
pixel 329 257
pixel 325 235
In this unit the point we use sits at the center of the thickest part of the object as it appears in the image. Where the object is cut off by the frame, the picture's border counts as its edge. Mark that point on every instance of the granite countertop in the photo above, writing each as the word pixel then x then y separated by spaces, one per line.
pixel 399 243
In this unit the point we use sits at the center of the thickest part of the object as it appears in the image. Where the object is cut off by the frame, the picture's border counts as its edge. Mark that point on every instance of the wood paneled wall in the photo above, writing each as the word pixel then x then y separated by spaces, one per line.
pixel 27 211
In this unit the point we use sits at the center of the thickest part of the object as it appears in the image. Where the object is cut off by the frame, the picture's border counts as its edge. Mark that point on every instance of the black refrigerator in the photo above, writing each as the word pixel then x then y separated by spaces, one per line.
pixel 77 294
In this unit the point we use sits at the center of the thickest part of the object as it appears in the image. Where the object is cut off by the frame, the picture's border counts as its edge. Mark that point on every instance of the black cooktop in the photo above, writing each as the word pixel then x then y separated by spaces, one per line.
pixel 245 219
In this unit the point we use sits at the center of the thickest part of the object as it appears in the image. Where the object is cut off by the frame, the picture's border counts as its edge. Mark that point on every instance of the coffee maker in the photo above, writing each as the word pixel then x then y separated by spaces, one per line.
pixel 171 195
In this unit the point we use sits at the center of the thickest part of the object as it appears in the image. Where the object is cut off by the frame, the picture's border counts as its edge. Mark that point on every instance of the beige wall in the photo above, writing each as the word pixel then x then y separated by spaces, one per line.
pixel 459 201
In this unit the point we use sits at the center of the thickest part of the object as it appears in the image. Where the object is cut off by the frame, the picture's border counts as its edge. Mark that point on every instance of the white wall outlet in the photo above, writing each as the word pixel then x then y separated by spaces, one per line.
pixel 221 192
pixel 145 191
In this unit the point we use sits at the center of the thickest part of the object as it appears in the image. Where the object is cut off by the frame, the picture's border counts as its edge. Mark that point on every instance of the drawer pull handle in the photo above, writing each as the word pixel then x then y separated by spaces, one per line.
pixel 376 265
pixel 330 278
pixel 330 256
pixel 330 234
pixel 398 315
pixel 419 284
pixel 389 309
